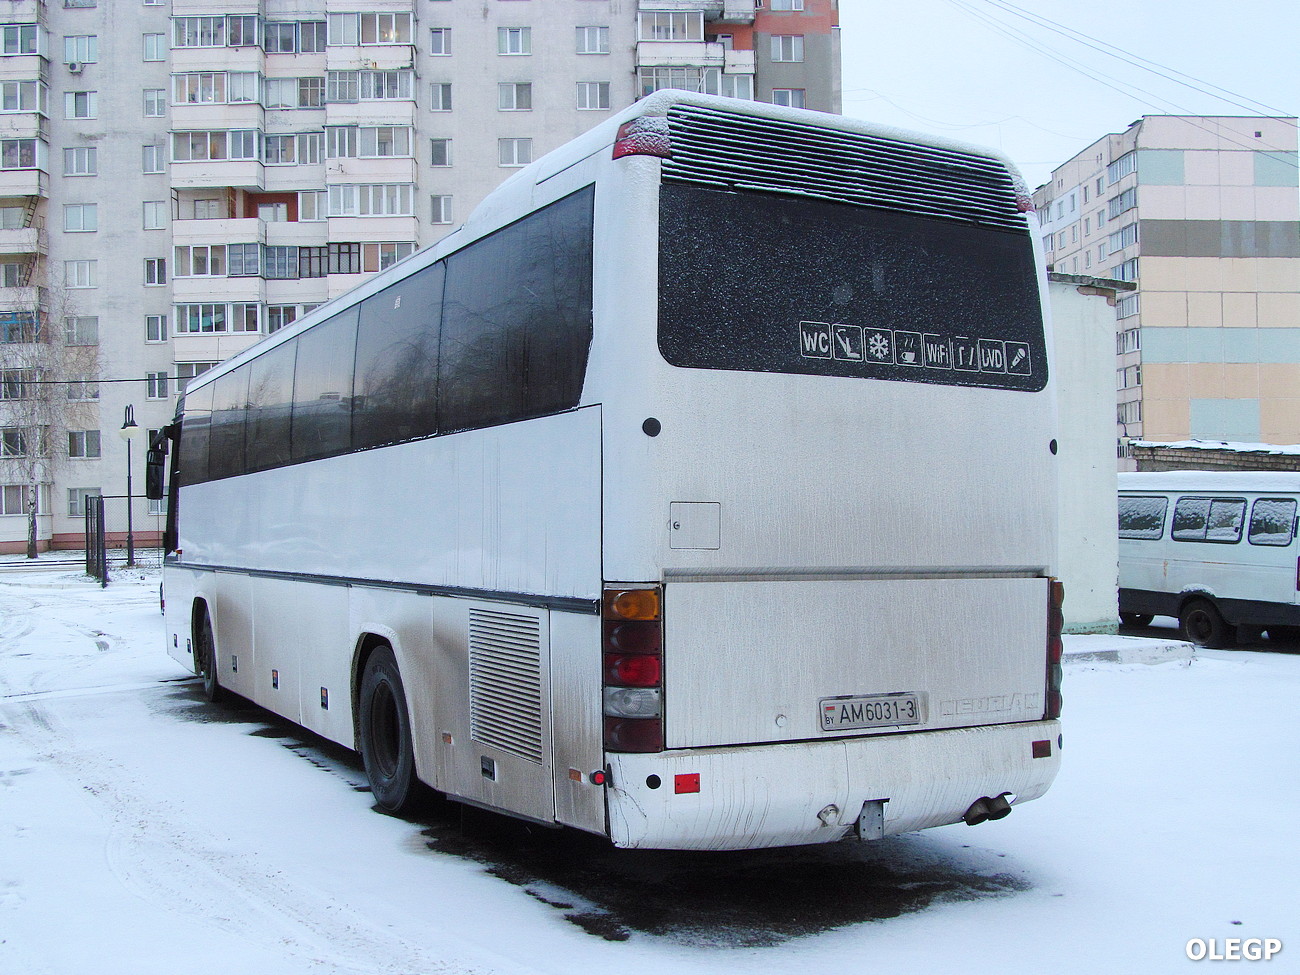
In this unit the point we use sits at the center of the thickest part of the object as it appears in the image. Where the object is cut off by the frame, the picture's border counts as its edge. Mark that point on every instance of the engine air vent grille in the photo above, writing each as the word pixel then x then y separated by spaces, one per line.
pixel 505 681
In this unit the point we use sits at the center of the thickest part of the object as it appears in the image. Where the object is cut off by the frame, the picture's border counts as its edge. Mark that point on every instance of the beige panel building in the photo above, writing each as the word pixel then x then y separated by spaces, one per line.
pixel 1203 214
pixel 179 178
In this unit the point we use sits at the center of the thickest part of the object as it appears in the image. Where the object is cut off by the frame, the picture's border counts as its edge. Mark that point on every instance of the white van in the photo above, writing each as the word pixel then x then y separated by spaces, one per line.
pixel 1215 549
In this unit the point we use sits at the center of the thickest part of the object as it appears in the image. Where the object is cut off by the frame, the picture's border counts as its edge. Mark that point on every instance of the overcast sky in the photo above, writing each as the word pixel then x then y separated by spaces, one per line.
pixel 974 70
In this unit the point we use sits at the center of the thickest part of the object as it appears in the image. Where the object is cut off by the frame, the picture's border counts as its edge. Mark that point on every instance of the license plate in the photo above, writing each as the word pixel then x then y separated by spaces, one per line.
pixel 870 711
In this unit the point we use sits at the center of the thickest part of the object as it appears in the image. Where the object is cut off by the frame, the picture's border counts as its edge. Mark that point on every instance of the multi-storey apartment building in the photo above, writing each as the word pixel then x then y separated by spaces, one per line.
pixel 1203 214
pixel 181 177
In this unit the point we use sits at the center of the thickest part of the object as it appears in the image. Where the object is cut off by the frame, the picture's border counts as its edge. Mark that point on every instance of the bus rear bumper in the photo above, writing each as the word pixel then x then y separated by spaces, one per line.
pixel 798 793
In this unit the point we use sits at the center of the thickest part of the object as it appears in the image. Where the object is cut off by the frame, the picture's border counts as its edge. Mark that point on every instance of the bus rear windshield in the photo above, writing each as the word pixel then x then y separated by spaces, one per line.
pixel 764 283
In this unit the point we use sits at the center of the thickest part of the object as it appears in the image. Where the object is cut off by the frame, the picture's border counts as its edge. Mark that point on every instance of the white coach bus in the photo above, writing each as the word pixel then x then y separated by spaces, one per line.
pixel 698 492
pixel 1216 550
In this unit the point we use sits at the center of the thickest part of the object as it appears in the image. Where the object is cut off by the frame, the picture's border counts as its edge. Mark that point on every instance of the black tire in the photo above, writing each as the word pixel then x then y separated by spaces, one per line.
pixel 1136 619
pixel 1202 625
pixel 387 747
pixel 205 659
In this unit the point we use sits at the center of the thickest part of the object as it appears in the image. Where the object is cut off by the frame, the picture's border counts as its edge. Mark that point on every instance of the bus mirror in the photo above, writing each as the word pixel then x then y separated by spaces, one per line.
pixel 155 465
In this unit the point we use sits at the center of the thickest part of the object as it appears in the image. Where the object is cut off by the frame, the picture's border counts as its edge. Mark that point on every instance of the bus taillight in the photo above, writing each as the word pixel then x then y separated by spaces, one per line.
pixel 644 136
pixel 1055 622
pixel 632 649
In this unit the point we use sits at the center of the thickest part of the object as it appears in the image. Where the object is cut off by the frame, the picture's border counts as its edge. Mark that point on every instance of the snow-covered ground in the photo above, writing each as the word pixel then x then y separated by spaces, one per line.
pixel 143 831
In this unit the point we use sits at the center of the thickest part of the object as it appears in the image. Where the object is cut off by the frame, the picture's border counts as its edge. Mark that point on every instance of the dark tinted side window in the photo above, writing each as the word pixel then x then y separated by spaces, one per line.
pixel 322 388
pixel 1272 521
pixel 229 406
pixel 1142 517
pixel 270 395
pixel 196 425
pixel 516 325
pixel 395 392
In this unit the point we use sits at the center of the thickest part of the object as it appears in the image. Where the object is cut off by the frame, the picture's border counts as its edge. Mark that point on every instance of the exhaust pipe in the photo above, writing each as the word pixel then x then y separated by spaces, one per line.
pixel 987 809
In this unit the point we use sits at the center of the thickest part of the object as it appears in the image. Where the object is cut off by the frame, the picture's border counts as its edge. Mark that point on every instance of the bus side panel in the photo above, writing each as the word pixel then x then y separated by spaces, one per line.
pixel 283 620
pixel 230 601
pixel 576 719
pixel 179 586
pixel 313 621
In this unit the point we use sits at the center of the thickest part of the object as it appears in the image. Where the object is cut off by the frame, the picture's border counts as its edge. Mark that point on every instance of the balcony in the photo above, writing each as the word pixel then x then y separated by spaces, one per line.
pixel 680 54
pixel 371 170
pixel 23 67
pixel 244 174
pixel 382 112
pixel 303 233
pixel 220 289
pixel 241 115
pixel 284 179
pixel 208 8
pixel 217 59
pixel 23 11
pixel 373 229
pixel 28 240
pixel 28 298
pixel 712 9
pixel 24 182
pixel 370 57
pixel 244 231
pixel 738 62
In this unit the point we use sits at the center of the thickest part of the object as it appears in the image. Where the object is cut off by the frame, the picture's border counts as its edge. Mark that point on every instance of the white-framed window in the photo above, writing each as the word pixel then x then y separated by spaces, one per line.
pixel 515 96
pixel 245 316
pixel 155 328
pixel 440 41
pixel 311 37
pixel 16 384
pixel 1125 271
pixel 311 92
pixel 155 214
pixel 243 86
pixel 200 261
pixel 18 39
pixel 80 104
pixel 13 442
pixel 789 97
pixel 81 330
pixel 1120 168
pixel 241 30
pixel 664 25
pixel 280 93
pixel 80 274
pixel 592 40
pixel 378 141
pixel 738 86
pixel 385 28
pixel 15 498
pixel 311 148
pixel 243 260
pixel 83 444
pixel 344 30
pixel 199 88
pixel 787 47
pixel 371 200
pixel 199 31
pixel 11 276
pixel 439 152
pixel 155 271
pixel 278 316
pixel 185 371
pixel 81 161
pixel 279 262
pixel 514 40
pixel 199 317
pixel 19 153
pixel 440 209
pixel 77 500
pixel 440 96
pixel 1126 201
pixel 1128 306
pixel 593 95
pixel 341 141
pixel 153 159
pixel 81 389
pixel 514 152
pixel 81 47
pixel 280 37
pixel 1128 377
pixel 80 218
pixel 155 385
pixel 211 209
pixel 784 5
pixel 378 257
pixel 1124 237
pixel 155 102
pixel 221 144
pixel 273 212
pixel 155 47
pixel 706 80
pixel 313 205
pixel 22 96
pixel 279 150
pixel 1130 340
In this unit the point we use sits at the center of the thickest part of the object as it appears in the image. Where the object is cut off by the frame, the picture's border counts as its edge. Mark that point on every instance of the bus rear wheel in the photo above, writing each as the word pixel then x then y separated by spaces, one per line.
pixel 205 659
pixel 1201 624
pixel 387 747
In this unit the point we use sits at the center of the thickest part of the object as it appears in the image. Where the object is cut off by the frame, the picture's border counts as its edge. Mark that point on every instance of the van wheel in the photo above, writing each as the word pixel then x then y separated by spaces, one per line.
pixel 387 748
pixel 1201 624
pixel 1136 619
pixel 205 659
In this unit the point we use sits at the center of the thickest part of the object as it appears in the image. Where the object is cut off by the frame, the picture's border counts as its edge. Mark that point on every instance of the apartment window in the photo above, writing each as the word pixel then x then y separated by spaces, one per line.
pixel 199 88
pixel 80 161
pixel 278 316
pixel 593 40
pixel 155 47
pixel 1123 237
pixel 80 218
pixel 787 47
pixel 81 47
pixel 440 41
pixel 311 37
pixel 385 140
pixel 515 96
pixel 200 260
pixel 17 153
pixel 245 317
pixel 312 206
pixel 197 146
pixel 18 39
pixel 377 257
pixel 80 104
pixel 342 86
pixel 241 30
pixel 153 159
pixel 199 318
pixel 280 93
pixel 16 384
pixel 341 141
pixel 279 262
pixel 371 200
pixel 243 86
pixel 22 96
pixel 77 496
pixel 155 385
pixel 1123 203
pixel 1101 185
pixel 1120 168
pixel 738 86
pixel 1129 340
pixel 514 152
pixel 199 31
pixel 440 97
pixel 13 442
pixel 662 25
pixel 784 5
pixel 280 37
pixel 439 152
pixel 515 40
pixel 11 276
pixel 279 150
pixel 440 210
pixel 81 330
pixel 1126 271
pixel 311 92
pixel 1128 377
pixel 384 85
pixel 1127 306
pixel 155 214
pixel 19 327
pixel 155 102
pixel 344 30
pixel 1130 412
pixel 155 270
pixel 277 212
pixel 243 260
pixel 155 328
pixel 14 499
pixel 789 97
pixel 593 94
pixel 83 444
pixel 81 389
pixel 386 28
pixel 80 274
pixel 707 80
pixel 312 262
pixel 344 258
pixel 311 149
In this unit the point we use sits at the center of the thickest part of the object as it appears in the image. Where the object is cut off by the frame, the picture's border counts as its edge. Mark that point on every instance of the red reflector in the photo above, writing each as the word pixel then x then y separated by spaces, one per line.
pixel 1042 749
pixel 598 777
pixel 645 136
pixel 632 670
pixel 634 637
pixel 686 782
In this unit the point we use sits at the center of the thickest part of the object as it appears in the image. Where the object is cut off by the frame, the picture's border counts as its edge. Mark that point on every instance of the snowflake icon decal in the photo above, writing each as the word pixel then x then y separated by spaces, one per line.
pixel 879 346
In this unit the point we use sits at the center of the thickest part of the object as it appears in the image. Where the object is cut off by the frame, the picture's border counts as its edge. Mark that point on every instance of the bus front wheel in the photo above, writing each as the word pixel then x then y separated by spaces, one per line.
pixel 387 748
pixel 205 658
pixel 1201 624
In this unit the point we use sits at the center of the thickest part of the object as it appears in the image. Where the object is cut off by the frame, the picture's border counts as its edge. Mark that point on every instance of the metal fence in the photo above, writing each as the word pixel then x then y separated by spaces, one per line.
pixel 96 547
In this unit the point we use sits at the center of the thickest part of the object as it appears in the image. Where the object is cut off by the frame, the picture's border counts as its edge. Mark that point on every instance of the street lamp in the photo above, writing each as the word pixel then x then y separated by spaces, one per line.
pixel 128 431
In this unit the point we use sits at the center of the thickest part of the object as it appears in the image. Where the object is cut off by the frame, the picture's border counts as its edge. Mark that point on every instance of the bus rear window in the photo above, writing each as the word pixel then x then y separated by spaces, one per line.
pixel 760 282
pixel 1142 517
